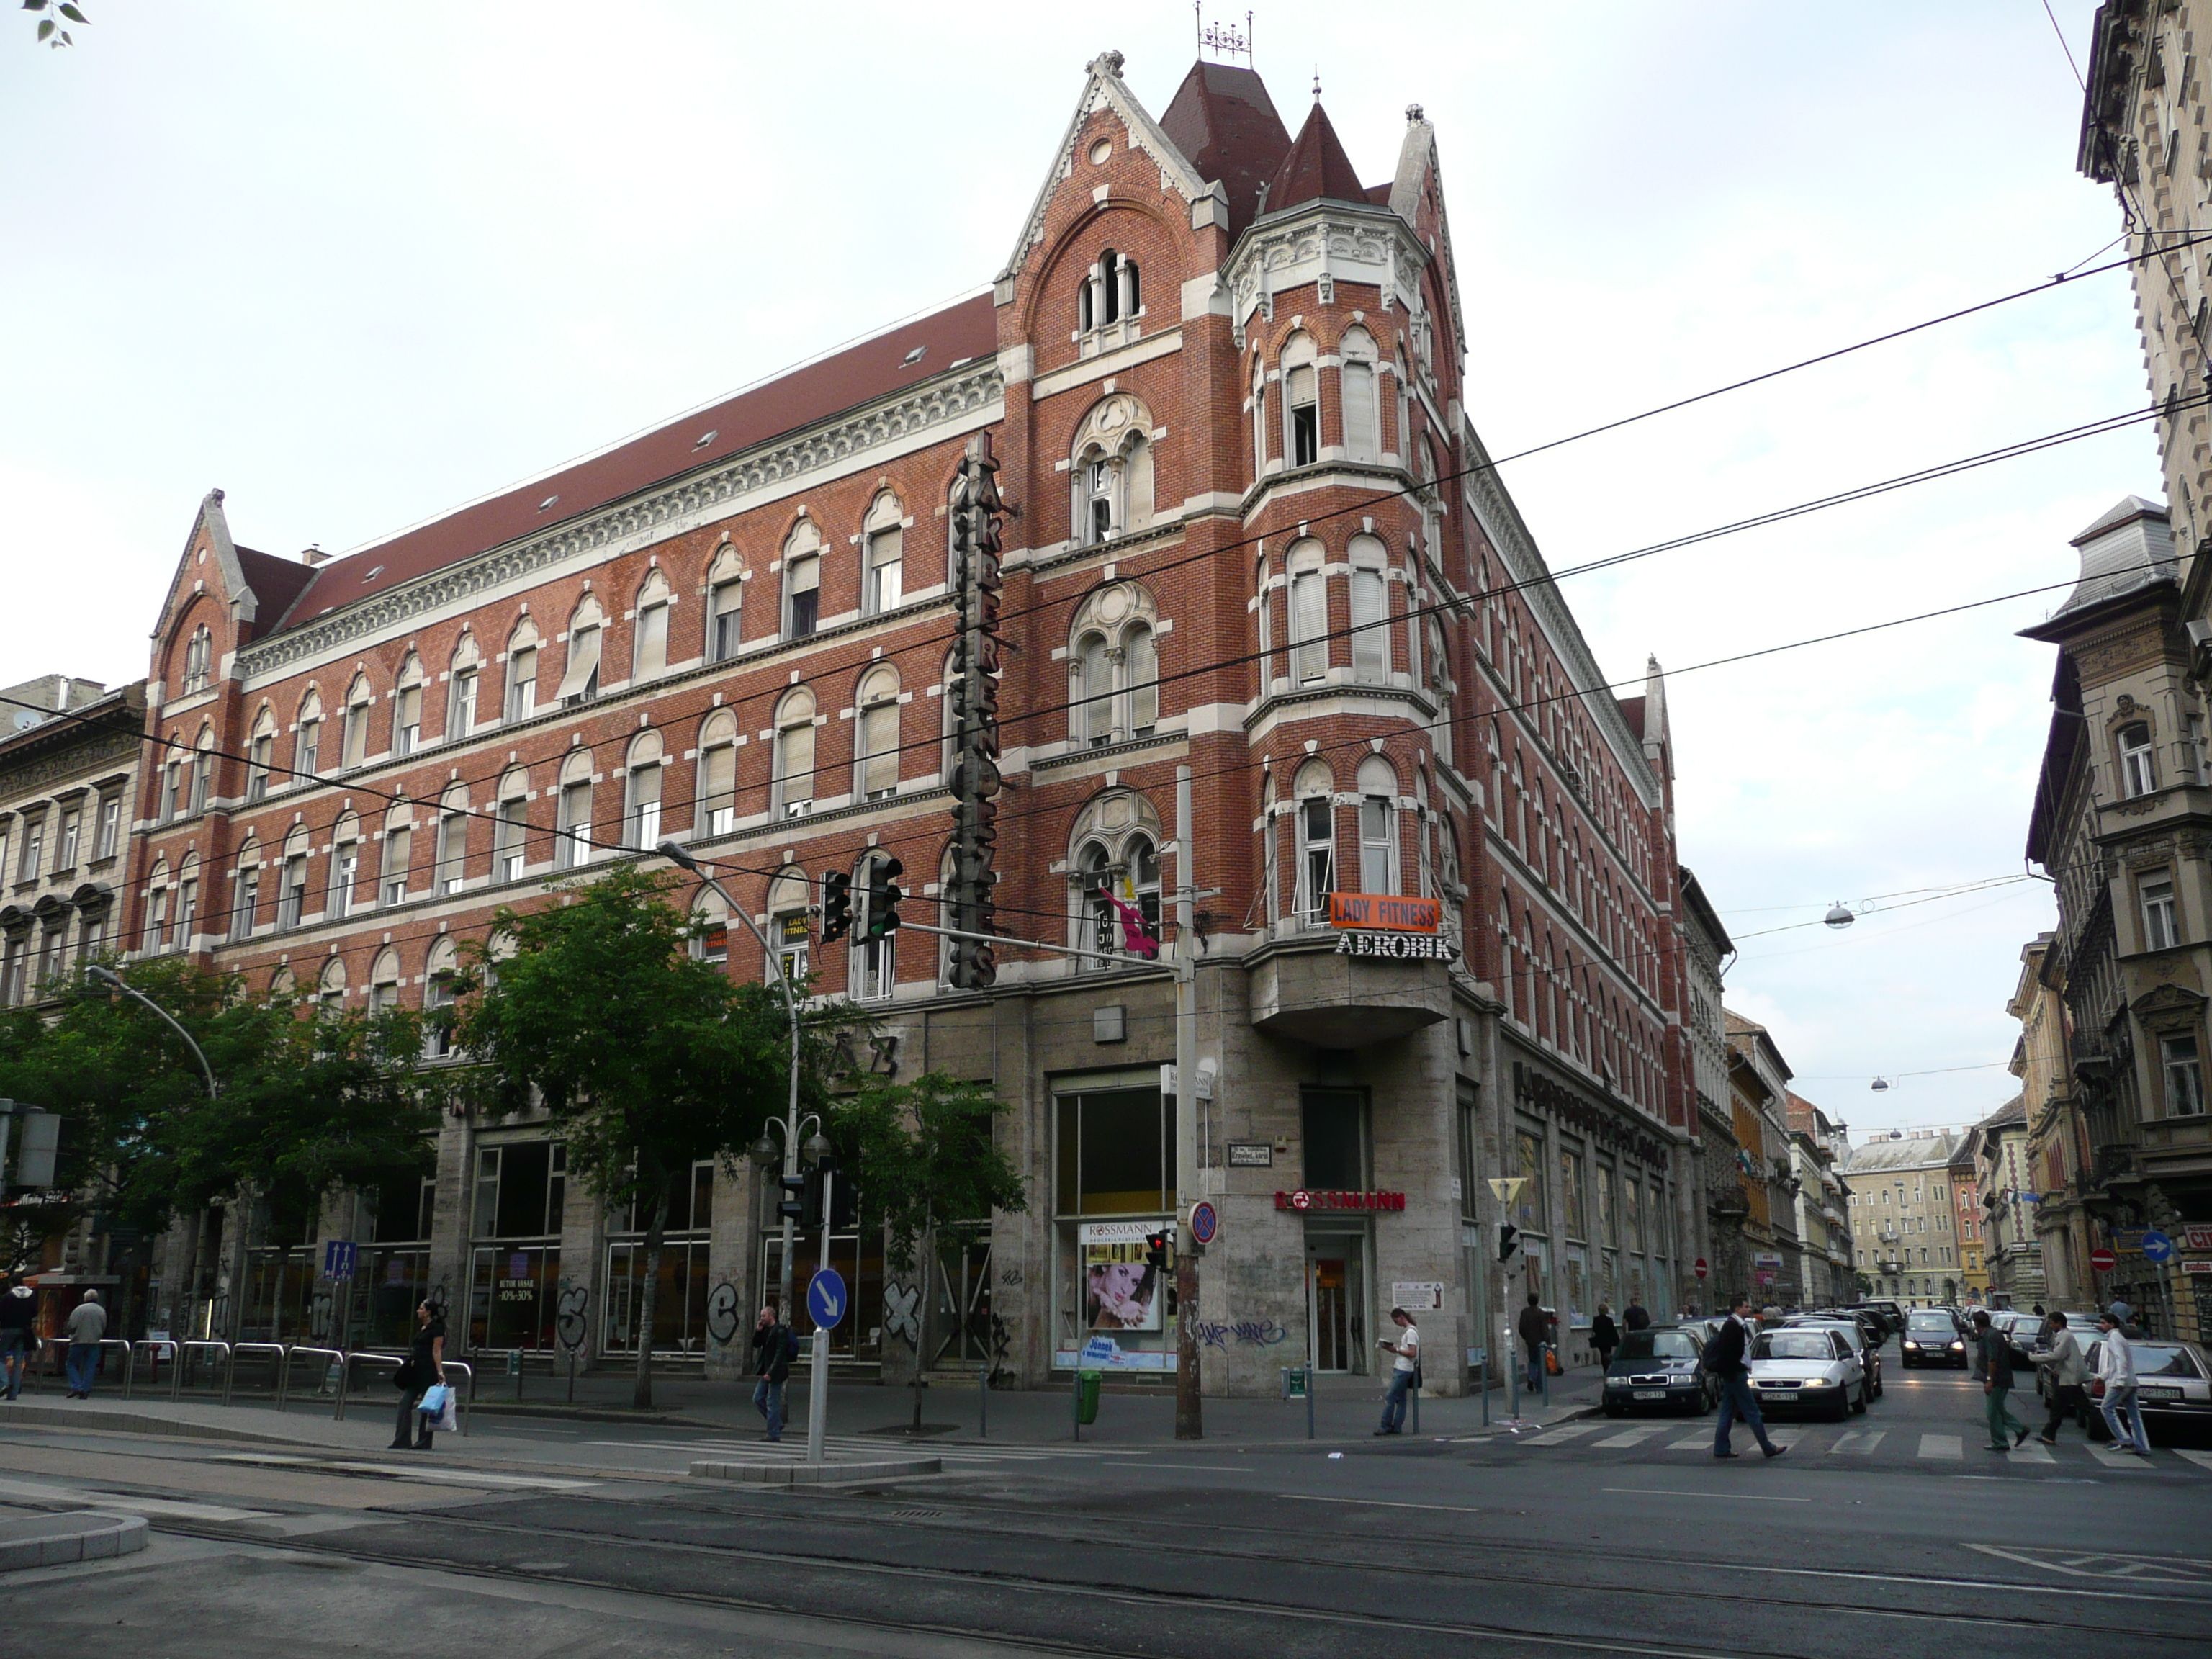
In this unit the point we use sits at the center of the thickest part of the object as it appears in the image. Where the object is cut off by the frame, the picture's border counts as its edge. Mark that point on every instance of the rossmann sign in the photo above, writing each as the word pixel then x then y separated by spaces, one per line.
pixel 1384 912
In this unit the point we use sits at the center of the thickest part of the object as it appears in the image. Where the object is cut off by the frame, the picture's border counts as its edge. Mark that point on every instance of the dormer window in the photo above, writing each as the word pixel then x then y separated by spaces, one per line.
pixel 1109 293
pixel 2138 763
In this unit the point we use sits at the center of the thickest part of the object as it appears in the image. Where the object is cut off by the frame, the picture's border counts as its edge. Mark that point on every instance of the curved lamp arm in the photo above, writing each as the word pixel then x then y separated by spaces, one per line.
pixel 109 977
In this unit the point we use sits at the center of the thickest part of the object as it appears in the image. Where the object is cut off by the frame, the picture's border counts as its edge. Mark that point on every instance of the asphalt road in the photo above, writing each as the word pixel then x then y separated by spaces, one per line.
pixel 1893 1531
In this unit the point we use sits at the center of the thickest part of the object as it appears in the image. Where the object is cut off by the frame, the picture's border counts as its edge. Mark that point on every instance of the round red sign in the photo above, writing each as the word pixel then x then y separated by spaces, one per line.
pixel 2103 1261
pixel 1301 1200
pixel 1699 1269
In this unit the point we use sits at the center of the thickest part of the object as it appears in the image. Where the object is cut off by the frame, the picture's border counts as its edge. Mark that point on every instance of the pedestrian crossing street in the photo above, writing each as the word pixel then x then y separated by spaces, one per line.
pixel 1865 1443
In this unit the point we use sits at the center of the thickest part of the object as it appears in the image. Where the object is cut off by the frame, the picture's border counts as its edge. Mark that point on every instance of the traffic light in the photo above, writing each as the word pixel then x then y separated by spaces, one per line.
pixel 837 905
pixel 812 1208
pixel 1509 1240
pixel 882 896
pixel 844 1203
pixel 794 1203
pixel 1157 1246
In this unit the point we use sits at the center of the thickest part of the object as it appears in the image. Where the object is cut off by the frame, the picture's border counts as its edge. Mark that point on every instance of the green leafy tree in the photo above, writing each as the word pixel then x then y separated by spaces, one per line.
pixel 51 33
pixel 645 1059
pixel 927 1163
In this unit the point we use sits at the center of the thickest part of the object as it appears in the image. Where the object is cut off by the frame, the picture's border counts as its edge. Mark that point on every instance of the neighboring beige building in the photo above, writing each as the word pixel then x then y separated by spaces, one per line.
pixel 1824 1229
pixel 69 778
pixel 2005 1194
pixel 1901 1215
pixel 1717 1215
pixel 1761 1080
pixel 2055 1160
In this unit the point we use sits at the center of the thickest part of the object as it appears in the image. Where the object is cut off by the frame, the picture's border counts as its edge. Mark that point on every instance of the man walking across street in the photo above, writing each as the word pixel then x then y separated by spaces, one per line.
pixel 1728 1359
pixel 1405 1371
pixel 2116 1370
pixel 19 1336
pixel 2062 1358
pixel 1535 1330
pixel 1635 1316
pixel 87 1323
pixel 1993 1364
pixel 773 1349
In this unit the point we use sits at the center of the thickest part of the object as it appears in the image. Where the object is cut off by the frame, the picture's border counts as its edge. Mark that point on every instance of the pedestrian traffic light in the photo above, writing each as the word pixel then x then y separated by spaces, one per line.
pixel 883 895
pixel 1509 1240
pixel 1156 1248
pixel 814 1208
pixel 794 1203
pixel 837 905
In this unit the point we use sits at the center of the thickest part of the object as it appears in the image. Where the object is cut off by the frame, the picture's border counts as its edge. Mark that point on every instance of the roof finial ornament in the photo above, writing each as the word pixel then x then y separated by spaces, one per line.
pixel 1223 40
pixel 1108 61
pixel 1316 83
pixel 1413 115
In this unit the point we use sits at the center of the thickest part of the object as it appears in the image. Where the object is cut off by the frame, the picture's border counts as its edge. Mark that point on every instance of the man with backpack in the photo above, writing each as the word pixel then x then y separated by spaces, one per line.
pixel 1728 1357
pixel 775 1346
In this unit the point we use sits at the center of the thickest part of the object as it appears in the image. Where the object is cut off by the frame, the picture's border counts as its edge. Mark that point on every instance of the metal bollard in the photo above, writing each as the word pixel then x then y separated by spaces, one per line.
pixel 983 1404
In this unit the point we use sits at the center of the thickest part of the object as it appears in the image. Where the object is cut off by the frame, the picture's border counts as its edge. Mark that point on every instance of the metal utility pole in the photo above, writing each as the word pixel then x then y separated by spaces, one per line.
pixel 1189 1418
pixel 818 1380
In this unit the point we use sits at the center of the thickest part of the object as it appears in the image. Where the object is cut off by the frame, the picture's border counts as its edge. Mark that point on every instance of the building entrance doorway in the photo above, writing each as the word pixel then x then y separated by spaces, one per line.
pixel 1336 1303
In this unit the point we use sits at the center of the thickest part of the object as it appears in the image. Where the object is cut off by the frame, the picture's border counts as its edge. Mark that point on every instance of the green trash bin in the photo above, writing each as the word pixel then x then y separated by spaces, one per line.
pixel 1086 1396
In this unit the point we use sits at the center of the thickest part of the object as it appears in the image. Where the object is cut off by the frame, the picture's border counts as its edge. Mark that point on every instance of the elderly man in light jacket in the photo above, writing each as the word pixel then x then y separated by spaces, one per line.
pixel 2065 1371
pixel 2116 1370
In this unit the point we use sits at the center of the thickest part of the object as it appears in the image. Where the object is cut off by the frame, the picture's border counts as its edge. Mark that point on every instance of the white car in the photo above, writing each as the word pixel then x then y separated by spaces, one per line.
pixel 1807 1369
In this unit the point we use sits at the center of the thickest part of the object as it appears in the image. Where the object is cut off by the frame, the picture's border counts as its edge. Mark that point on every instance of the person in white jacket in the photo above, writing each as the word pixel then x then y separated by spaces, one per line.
pixel 2116 1370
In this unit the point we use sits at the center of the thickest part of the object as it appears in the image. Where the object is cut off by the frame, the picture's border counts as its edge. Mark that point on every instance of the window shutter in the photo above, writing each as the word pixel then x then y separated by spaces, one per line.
pixel 1309 621
pixel 879 739
pixel 1301 387
pixel 1371 642
pixel 1143 659
pixel 583 663
pixel 1358 382
pixel 798 763
pixel 806 574
pixel 652 640
pixel 718 787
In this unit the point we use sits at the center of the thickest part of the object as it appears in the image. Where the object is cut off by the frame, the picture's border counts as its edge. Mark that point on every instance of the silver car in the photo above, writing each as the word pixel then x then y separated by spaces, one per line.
pixel 1808 1369
pixel 2173 1387
pixel 1855 1334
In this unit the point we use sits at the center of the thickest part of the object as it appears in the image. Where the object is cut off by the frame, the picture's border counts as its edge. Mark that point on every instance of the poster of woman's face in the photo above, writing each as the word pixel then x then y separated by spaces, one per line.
pixel 1121 1295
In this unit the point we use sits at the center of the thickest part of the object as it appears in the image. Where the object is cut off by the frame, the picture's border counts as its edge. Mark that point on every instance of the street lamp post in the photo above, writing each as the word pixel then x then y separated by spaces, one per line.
pixel 676 854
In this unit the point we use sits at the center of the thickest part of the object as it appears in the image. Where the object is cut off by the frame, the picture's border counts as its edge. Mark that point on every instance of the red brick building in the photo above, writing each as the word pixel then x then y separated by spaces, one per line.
pixel 1257 539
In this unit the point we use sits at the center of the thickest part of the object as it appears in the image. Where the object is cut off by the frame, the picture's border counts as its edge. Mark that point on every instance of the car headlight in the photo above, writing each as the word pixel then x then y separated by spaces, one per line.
pixel 1958 1345
pixel 1911 1345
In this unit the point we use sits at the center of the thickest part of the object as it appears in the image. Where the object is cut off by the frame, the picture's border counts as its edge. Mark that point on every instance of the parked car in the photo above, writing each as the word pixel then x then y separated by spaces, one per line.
pixel 1854 1332
pixel 1892 1315
pixel 1658 1369
pixel 1812 1368
pixel 1933 1336
pixel 2023 1334
pixel 2173 1386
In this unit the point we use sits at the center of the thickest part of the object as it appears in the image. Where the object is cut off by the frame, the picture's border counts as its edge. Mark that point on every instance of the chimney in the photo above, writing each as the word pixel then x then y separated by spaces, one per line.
pixel 313 554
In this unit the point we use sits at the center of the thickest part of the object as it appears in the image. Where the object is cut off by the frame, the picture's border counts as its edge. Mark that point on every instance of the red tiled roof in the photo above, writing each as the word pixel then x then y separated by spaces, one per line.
pixel 276 584
pixel 1225 124
pixel 1316 169
pixel 872 369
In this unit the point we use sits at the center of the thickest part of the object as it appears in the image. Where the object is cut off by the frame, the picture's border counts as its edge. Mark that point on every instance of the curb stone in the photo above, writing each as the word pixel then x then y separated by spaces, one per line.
pixel 56 1541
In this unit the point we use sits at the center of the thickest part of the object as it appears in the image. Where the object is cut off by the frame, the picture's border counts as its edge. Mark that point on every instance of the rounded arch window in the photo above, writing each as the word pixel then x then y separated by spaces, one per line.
pixel 802 581
pixel 649 640
pixel 794 754
pixel 1111 470
pixel 1363 438
pixel 1315 797
pixel 1370 611
pixel 522 650
pixel 788 927
pixel 876 727
pixel 883 546
pixel 2138 760
pixel 725 604
pixel 1301 401
pixel 573 815
pixel 1308 607
pixel 717 813
pixel 1111 292
pixel 440 971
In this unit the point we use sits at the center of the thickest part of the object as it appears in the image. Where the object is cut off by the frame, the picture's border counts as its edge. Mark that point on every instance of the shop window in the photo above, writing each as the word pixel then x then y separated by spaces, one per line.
pixel 1333 1129
pixel 1114 1152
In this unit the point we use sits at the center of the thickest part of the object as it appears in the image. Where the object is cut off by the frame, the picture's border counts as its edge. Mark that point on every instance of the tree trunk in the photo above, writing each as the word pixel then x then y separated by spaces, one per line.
pixel 641 1396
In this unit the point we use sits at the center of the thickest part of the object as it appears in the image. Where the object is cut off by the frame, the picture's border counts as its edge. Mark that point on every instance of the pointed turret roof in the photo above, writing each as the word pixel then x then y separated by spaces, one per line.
pixel 1316 169
pixel 1225 126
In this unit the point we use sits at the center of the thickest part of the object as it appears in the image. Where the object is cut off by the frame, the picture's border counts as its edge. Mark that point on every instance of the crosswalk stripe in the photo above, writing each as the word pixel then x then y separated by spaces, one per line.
pixel 1943 1445
pixel 2113 1458
pixel 1694 1442
pixel 1635 1437
pixel 2201 1458
pixel 1564 1432
pixel 1859 1442
pixel 2032 1450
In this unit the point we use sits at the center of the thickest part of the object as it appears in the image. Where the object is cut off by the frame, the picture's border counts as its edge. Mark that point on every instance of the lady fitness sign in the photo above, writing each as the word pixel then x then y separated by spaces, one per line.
pixel 1384 926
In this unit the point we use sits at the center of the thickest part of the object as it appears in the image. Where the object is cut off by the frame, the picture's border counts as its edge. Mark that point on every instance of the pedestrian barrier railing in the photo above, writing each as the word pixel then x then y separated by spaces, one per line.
pixel 230 1367
pixel 284 1368
pixel 185 1352
pixel 345 1370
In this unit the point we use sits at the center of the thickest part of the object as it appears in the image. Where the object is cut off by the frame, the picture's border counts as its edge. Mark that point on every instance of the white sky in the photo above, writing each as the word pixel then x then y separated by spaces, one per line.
pixel 358 265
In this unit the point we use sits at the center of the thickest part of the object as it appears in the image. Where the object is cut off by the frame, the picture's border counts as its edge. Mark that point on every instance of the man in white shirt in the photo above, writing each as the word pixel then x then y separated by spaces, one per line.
pixel 1404 1371
pixel 2116 1370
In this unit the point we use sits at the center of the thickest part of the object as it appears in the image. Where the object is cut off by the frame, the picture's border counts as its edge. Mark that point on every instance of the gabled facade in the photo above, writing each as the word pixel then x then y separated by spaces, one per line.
pixel 1259 551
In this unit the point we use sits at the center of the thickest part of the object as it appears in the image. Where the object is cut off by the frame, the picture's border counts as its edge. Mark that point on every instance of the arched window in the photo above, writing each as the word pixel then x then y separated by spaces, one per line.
pixel 802 581
pixel 580 679
pixel 876 732
pixel 330 989
pixel 1141 666
pixel 1110 292
pixel 875 961
pixel 883 548
pixel 1308 644
pixel 573 850
pixel 1362 438
pixel 188 902
pixel 245 892
pixel 710 917
pixel 261 755
pixel 787 926
pixel 2138 761
pixel 510 830
pixel 717 810
pixel 1094 689
pixel 1378 826
pixel 199 660
pixel 1259 417
pixel 945 721
pixel 1113 662
pixel 794 754
pixel 522 672
pixel 642 793
pixel 150 942
pixel 1440 692
pixel 359 702
pixel 384 982
pixel 438 973
pixel 649 646
pixel 467 671
pixel 1114 873
pixel 203 769
pixel 1264 609
pixel 398 849
pixel 1270 860
pixel 292 899
pixel 1370 611
pixel 726 605
pixel 345 865
pixel 1301 401
pixel 1112 470
pixel 453 839
pixel 1314 792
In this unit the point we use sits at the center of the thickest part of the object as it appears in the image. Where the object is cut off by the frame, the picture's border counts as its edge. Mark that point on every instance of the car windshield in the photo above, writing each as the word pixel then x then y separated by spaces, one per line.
pixel 2157 1359
pixel 1931 1321
pixel 1847 1332
pixel 1658 1345
pixel 1793 1345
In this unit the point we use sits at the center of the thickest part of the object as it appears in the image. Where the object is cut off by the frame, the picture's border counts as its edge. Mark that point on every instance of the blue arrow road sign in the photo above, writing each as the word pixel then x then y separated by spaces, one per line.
pixel 2157 1247
pixel 338 1257
pixel 825 1298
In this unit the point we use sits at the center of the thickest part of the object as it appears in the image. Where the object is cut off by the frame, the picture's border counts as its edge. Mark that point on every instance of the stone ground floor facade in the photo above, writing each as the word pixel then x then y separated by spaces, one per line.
pixel 1348 1116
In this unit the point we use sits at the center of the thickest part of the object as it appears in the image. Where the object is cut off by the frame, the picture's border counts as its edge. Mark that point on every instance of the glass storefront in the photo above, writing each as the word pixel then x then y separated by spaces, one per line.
pixel 1114 1183
pixel 280 1305
pixel 858 1259
pixel 515 1266
pixel 679 1307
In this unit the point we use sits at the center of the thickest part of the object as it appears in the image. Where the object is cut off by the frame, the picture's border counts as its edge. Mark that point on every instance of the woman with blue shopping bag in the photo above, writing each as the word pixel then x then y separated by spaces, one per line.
pixel 421 1380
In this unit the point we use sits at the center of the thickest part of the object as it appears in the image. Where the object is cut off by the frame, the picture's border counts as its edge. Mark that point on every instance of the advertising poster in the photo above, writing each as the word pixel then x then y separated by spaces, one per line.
pixel 1120 1293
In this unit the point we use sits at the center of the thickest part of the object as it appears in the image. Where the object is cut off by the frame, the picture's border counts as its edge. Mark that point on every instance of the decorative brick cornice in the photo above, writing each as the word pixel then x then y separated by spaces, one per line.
pixel 635 518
